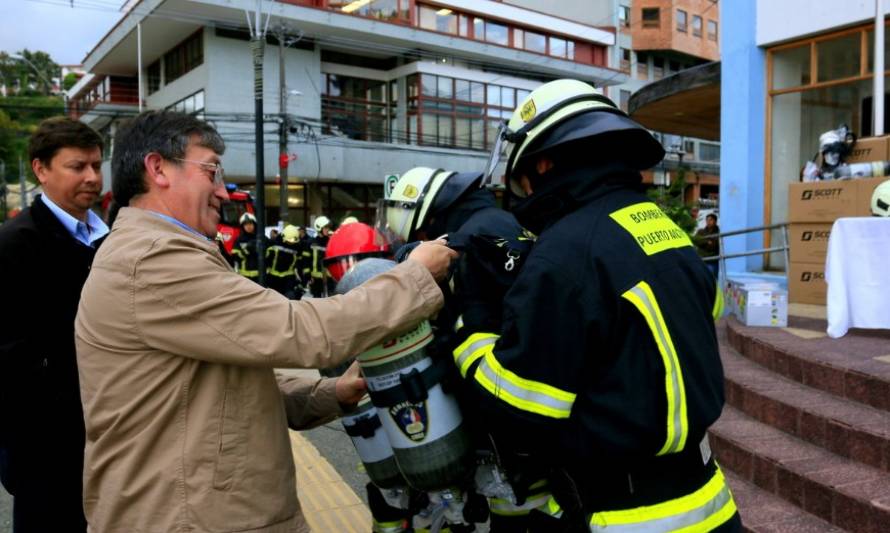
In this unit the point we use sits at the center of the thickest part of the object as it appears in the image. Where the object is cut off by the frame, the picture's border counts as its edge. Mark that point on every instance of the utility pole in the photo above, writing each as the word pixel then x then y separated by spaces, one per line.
pixel 282 131
pixel 257 45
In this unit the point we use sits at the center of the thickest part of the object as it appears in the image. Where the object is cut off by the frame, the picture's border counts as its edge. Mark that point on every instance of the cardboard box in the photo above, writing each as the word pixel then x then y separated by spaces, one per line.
pixel 757 303
pixel 806 283
pixel 808 242
pixel 822 201
pixel 870 149
pixel 865 188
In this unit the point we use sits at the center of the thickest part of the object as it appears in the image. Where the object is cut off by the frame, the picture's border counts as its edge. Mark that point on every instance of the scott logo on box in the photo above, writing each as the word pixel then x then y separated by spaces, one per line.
pixel 812 276
pixel 815 235
pixel 820 194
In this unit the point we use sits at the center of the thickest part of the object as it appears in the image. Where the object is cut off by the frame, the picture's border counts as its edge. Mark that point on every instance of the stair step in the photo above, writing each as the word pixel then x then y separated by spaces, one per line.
pixel 845 427
pixel 853 367
pixel 763 512
pixel 841 491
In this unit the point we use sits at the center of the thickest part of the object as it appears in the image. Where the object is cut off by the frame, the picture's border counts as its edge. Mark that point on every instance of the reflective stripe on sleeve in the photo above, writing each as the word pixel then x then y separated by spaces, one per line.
pixel 717 312
pixel 525 394
pixel 504 507
pixel 702 510
pixel 395 526
pixel 677 423
pixel 476 345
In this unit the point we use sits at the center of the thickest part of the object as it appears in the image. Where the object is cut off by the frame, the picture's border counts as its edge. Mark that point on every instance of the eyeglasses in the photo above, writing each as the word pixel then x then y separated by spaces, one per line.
pixel 218 173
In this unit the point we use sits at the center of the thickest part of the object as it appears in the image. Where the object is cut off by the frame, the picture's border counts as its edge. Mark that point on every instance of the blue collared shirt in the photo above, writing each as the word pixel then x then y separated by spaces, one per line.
pixel 182 225
pixel 86 233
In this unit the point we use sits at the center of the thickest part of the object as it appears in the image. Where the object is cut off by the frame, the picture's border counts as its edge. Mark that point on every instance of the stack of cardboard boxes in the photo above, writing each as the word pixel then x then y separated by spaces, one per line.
pixel 812 209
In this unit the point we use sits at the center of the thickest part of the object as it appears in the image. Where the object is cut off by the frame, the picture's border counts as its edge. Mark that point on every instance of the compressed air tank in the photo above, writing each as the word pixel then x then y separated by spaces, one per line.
pixel 423 423
pixel 372 445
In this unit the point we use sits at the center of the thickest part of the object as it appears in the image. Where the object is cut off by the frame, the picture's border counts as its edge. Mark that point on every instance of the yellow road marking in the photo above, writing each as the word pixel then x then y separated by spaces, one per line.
pixel 329 504
pixel 805 333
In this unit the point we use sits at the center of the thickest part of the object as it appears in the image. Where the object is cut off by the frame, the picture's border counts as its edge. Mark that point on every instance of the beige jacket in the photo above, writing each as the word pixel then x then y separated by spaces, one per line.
pixel 186 428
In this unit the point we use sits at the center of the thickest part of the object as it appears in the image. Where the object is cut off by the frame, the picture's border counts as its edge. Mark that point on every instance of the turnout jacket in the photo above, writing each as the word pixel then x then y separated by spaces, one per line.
pixel 607 354
pixel 186 427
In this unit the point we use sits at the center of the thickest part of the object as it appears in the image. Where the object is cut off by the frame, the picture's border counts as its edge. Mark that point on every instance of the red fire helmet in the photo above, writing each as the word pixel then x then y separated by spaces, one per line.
pixel 352 243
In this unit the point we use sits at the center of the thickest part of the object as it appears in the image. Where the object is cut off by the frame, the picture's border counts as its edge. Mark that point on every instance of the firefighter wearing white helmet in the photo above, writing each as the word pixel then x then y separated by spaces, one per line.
pixel 606 368
pixel 426 203
pixel 880 200
pixel 320 284
pixel 245 248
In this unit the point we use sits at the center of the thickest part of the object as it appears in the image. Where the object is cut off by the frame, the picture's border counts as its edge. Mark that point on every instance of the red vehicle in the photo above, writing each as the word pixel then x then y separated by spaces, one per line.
pixel 230 212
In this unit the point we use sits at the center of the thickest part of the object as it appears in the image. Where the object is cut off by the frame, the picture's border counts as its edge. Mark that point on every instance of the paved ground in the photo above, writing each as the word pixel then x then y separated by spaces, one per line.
pixel 5 512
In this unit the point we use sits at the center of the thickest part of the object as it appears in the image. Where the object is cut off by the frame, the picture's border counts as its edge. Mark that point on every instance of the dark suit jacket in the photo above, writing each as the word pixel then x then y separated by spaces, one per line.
pixel 42 270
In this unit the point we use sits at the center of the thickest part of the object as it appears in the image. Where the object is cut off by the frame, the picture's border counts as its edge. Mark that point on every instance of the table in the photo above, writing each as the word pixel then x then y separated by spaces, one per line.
pixel 857 270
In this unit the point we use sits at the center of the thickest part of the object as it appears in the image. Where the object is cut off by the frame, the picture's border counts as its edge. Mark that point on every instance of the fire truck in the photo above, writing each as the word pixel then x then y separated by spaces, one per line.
pixel 230 212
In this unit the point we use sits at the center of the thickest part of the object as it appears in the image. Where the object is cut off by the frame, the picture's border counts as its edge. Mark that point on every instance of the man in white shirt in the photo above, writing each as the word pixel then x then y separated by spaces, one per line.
pixel 45 256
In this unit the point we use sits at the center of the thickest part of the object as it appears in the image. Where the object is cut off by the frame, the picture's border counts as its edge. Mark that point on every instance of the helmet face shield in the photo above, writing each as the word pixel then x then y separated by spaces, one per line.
pixel 394 219
pixel 497 152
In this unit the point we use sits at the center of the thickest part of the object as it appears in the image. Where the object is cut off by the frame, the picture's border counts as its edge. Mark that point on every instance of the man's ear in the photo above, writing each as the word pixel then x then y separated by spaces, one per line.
pixel 39 170
pixel 154 170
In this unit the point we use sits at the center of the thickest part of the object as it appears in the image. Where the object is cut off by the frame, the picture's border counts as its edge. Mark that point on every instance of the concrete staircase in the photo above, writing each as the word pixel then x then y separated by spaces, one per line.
pixel 805 435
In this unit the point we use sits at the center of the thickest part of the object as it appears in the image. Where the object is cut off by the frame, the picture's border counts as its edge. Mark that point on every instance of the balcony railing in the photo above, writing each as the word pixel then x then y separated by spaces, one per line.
pixel 116 90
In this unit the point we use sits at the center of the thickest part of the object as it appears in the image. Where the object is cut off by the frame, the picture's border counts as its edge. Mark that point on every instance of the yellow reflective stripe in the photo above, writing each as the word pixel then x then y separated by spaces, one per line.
pixel 476 345
pixel 717 311
pixel 653 230
pixel 552 508
pixel 702 510
pixel 505 507
pixel 677 423
pixel 395 526
pixel 528 395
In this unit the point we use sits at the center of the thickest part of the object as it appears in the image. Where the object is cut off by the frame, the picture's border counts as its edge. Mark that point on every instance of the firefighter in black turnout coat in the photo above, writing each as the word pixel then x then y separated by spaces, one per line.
pixel 605 368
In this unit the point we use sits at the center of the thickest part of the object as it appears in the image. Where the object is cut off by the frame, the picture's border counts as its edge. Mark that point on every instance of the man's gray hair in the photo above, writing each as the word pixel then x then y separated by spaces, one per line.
pixel 167 133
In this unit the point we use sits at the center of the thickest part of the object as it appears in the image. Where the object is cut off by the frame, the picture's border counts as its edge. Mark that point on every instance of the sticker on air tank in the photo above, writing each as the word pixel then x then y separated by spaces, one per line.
pixel 410 424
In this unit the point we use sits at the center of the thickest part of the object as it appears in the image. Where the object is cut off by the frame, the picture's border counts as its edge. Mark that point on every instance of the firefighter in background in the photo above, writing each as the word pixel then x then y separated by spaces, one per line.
pixel 320 285
pixel 245 251
pixel 606 368
pixel 304 259
pixel 281 263
pixel 425 204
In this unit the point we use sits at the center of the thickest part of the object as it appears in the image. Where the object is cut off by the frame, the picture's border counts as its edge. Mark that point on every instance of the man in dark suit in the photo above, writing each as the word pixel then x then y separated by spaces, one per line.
pixel 45 256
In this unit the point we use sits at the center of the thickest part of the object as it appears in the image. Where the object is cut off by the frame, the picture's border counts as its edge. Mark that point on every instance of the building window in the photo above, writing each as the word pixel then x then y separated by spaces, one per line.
pixel 191 105
pixel 642 66
pixel 712 30
pixel 696 26
pixel 186 56
pixel 689 148
pixel 673 66
pixel 153 75
pixel 681 20
pixel 450 112
pixel 709 152
pixel 441 20
pixel 390 10
pixel 651 17
pixel 657 67
pixel 624 98
pixel 625 60
pixel 354 108
pixel 535 42
pixel 496 33
pixel 624 16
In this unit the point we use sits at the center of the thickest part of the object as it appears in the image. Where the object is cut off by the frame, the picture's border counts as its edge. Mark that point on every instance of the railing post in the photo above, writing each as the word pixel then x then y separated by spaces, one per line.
pixel 785 245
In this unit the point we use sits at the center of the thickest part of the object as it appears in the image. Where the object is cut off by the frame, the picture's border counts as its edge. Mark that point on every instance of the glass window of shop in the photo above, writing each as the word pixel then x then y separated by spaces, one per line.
pixel 341 200
pixel 355 108
pixel 815 85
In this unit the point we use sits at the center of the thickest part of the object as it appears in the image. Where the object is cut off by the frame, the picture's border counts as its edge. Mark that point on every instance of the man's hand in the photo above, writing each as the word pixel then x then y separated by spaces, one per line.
pixel 435 256
pixel 350 387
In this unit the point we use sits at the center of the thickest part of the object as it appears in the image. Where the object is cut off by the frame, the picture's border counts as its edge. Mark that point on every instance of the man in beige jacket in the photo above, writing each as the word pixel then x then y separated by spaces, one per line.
pixel 185 422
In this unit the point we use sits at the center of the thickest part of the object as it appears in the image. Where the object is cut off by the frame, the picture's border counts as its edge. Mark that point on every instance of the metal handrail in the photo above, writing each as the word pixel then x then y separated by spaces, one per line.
pixel 723 257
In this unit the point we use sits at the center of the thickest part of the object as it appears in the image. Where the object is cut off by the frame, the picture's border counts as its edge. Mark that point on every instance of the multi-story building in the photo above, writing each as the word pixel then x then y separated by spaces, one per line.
pixel 371 87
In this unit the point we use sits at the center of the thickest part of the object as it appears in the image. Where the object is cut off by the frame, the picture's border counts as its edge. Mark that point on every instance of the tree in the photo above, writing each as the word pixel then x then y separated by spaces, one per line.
pixel 70 80
pixel 37 70
pixel 671 200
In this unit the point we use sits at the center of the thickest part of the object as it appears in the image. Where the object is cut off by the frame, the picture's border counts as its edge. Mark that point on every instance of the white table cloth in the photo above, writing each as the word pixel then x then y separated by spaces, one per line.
pixel 857 270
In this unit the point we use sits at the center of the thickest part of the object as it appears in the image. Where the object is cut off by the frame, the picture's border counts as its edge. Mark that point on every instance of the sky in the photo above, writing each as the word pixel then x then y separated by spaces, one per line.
pixel 53 26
